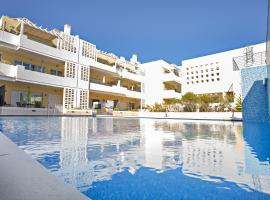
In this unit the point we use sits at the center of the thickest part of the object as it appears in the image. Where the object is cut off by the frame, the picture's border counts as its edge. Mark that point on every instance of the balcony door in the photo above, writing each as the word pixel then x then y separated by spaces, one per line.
pixel 2 95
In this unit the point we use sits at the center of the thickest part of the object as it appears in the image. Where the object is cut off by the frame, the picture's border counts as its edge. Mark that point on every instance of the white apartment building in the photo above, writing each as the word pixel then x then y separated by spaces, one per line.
pixel 53 69
pixel 215 73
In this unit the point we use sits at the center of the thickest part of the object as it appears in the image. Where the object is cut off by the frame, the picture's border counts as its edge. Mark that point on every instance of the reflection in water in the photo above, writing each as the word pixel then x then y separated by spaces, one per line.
pixel 149 159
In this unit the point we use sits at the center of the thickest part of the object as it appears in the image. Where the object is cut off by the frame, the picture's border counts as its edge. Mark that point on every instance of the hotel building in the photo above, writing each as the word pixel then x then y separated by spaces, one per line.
pixel 54 72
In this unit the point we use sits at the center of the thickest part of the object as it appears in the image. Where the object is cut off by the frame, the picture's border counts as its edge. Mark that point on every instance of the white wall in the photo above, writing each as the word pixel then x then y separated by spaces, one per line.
pixel 227 76
pixel 153 81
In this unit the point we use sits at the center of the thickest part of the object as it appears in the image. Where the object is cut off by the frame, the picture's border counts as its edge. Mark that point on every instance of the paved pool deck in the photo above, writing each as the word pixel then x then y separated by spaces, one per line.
pixel 22 178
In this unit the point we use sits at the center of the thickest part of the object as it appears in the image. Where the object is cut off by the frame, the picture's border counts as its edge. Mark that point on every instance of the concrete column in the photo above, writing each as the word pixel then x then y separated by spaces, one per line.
pixel 119 83
pixel 132 87
pixel 22 28
pixel 104 79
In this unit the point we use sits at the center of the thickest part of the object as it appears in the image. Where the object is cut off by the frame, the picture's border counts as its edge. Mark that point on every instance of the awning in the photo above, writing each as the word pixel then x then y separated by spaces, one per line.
pixel 36 31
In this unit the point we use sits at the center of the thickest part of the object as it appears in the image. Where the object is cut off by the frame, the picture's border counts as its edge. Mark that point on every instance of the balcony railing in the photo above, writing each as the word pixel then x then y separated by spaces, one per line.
pixel 18 72
pixel 253 60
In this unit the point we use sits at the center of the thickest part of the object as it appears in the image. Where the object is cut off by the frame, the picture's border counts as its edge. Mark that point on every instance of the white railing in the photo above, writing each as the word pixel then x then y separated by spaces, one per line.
pixel 21 74
pixel 171 94
pixel 171 77
pixel 114 89
pixel 9 71
pixel 47 50
pixel 9 38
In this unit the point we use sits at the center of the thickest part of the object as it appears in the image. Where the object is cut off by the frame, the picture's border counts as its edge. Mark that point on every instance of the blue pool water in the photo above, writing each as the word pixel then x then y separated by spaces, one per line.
pixel 137 159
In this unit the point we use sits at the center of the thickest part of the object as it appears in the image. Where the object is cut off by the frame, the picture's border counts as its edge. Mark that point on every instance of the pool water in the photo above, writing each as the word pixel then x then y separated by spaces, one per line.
pixel 137 159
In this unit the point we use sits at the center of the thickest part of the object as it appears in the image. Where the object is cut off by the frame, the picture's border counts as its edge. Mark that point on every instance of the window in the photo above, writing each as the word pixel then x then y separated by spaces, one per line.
pixel 187 82
pixel 69 98
pixel 213 80
pixel 187 78
pixel 56 72
pixel 37 68
pixel 53 72
pixel 212 69
pixel 218 74
pixel 206 70
pixel 217 68
pixel 212 74
pixel 202 81
pixel 187 73
pixel 207 80
pixel 0 57
pixel 192 77
pixel 27 66
pixel 207 75
pixel 70 69
pixel 18 62
pixel 84 73
pixel 202 76
pixel 218 79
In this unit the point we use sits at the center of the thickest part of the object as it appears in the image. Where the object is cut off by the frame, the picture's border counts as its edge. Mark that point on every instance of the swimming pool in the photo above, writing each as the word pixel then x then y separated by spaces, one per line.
pixel 118 158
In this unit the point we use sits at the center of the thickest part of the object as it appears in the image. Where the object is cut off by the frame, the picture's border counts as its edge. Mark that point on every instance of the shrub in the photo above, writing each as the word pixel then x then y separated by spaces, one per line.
pixel 190 107
pixel 238 105
pixel 189 98
pixel 157 108
pixel 204 107
pixel 38 104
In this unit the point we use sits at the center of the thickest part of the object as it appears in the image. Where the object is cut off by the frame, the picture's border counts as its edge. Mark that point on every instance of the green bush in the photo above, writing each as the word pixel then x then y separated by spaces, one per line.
pixel 157 108
pixel 189 98
pixel 38 104
pixel 204 107
pixel 190 107
pixel 238 105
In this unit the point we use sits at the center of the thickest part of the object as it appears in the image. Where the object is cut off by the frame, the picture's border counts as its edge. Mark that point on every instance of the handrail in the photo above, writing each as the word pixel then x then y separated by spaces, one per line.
pixel 255 59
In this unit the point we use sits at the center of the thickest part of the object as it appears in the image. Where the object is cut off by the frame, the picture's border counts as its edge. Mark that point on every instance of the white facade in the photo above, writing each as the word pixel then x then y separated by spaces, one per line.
pixel 21 37
pixel 214 73
pixel 162 81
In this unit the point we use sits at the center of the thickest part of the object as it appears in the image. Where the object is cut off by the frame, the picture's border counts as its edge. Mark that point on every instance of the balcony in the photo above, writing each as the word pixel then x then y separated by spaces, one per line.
pixel 129 75
pixel 46 50
pixel 171 77
pixel 171 94
pixel 253 60
pixel 19 73
pixel 114 90
pixel 23 42
pixel 103 67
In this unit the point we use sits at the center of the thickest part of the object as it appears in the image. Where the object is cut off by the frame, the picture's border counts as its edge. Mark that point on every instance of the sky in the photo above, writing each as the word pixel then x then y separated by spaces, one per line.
pixel 173 30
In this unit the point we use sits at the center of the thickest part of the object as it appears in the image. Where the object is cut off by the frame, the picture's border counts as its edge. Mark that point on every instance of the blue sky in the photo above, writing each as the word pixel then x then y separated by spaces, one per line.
pixel 172 30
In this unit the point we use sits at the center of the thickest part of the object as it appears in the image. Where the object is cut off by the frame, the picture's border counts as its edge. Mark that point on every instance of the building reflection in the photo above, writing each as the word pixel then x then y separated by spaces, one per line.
pixel 94 149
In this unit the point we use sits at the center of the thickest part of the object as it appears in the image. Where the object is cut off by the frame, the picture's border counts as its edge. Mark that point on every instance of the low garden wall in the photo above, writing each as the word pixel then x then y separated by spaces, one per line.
pixel 227 116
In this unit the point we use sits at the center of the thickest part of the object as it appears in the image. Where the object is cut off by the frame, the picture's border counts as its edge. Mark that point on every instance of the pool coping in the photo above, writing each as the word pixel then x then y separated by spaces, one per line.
pixel 139 116
pixel 23 178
